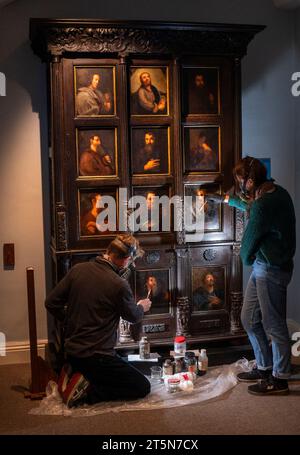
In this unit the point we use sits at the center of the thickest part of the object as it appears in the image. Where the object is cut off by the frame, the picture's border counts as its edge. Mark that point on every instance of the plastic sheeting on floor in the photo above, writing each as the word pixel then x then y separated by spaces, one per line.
pixel 215 383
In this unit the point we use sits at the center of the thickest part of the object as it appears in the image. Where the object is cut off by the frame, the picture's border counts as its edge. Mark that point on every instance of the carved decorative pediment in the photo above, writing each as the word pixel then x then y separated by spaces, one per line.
pixel 57 37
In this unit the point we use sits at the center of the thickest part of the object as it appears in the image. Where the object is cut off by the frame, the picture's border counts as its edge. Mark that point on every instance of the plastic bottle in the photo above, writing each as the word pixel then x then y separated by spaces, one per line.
pixel 144 348
pixel 180 345
pixel 202 362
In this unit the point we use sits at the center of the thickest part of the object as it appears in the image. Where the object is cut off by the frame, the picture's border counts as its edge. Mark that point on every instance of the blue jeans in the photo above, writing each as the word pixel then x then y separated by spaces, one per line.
pixel 264 318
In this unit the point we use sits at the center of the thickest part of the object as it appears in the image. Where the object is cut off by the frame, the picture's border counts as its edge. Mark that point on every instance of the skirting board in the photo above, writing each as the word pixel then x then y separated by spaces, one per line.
pixel 19 352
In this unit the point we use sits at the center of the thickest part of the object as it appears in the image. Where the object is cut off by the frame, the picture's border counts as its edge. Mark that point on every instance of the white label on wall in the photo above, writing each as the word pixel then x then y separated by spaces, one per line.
pixel 295 89
pixel 2 345
pixel 296 346
pixel 2 84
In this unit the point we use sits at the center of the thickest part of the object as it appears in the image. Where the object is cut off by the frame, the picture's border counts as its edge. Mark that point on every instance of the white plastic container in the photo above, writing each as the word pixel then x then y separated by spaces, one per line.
pixel 180 345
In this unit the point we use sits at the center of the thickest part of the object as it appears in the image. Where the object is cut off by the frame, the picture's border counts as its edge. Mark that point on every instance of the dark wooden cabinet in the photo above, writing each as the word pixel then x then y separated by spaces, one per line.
pixel 191 113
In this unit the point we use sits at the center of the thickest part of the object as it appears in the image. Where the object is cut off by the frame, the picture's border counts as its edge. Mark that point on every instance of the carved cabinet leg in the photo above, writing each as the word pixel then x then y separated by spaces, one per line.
pixel 124 332
pixel 182 316
pixel 236 294
pixel 235 314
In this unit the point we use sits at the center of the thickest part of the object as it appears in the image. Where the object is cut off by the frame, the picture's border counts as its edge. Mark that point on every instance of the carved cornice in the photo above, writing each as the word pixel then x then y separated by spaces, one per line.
pixel 56 37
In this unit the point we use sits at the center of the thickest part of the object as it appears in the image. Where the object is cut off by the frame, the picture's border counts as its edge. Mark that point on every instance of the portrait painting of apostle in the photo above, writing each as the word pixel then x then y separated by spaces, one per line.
pixel 96 152
pixel 208 288
pixel 89 210
pixel 211 210
pixel 201 91
pixel 150 150
pixel 149 90
pixel 153 284
pixel 94 91
pixel 152 221
pixel 202 149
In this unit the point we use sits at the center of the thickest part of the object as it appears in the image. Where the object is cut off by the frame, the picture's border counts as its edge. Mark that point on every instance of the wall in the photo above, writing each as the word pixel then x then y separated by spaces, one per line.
pixel 268 121
pixel 295 288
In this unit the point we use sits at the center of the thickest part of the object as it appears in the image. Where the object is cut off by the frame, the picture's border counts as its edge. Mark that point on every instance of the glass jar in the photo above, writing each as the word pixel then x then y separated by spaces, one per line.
pixel 202 363
pixel 168 367
pixel 156 374
pixel 190 362
pixel 173 385
pixel 180 345
pixel 178 365
pixel 144 348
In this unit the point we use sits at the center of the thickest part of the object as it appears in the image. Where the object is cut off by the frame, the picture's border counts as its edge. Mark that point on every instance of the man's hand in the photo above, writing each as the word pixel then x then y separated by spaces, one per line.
pixel 146 304
pixel 214 300
pixel 91 227
pixel 107 102
pixel 216 198
pixel 107 159
pixel 151 164
pixel 162 104
pixel 155 108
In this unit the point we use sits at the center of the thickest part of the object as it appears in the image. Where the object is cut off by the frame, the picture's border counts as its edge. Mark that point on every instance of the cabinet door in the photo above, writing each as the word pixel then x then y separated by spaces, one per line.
pixel 207 114
pixel 94 149
pixel 209 285
pixel 154 278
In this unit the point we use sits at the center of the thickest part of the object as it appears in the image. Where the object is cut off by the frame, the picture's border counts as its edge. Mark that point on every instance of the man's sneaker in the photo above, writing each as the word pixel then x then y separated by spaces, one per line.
pixel 64 378
pixel 75 390
pixel 270 386
pixel 254 375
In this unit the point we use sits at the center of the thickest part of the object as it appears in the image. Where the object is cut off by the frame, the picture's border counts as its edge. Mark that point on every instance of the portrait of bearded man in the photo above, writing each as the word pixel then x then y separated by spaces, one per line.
pixel 147 98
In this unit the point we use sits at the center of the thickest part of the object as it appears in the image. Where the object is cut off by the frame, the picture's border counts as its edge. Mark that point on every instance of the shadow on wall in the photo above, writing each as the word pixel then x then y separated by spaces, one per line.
pixel 265 52
pixel 26 85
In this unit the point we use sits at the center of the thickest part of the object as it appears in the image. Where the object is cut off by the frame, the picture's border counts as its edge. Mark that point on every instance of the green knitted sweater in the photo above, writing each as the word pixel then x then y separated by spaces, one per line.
pixel 270 234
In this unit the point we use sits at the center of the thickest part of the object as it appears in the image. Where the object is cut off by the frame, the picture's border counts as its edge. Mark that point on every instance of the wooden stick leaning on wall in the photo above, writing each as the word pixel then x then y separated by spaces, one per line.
pixel 41 373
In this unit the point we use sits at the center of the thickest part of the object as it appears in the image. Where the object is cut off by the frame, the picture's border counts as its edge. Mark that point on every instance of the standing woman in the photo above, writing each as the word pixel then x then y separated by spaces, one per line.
pixel 268 245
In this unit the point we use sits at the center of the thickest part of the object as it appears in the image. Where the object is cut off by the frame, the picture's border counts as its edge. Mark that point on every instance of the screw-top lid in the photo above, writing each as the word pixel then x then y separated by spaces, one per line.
pixel 203 352
pixel 174 381
pixel 144 339
pixel 180 339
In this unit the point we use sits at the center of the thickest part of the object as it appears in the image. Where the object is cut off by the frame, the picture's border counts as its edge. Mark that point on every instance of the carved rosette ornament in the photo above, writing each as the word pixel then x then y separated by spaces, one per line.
pixel 61 227
pixel 235 314
pixel 182 316
pixel 152 257
pixel 124 332
pixel 210 254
